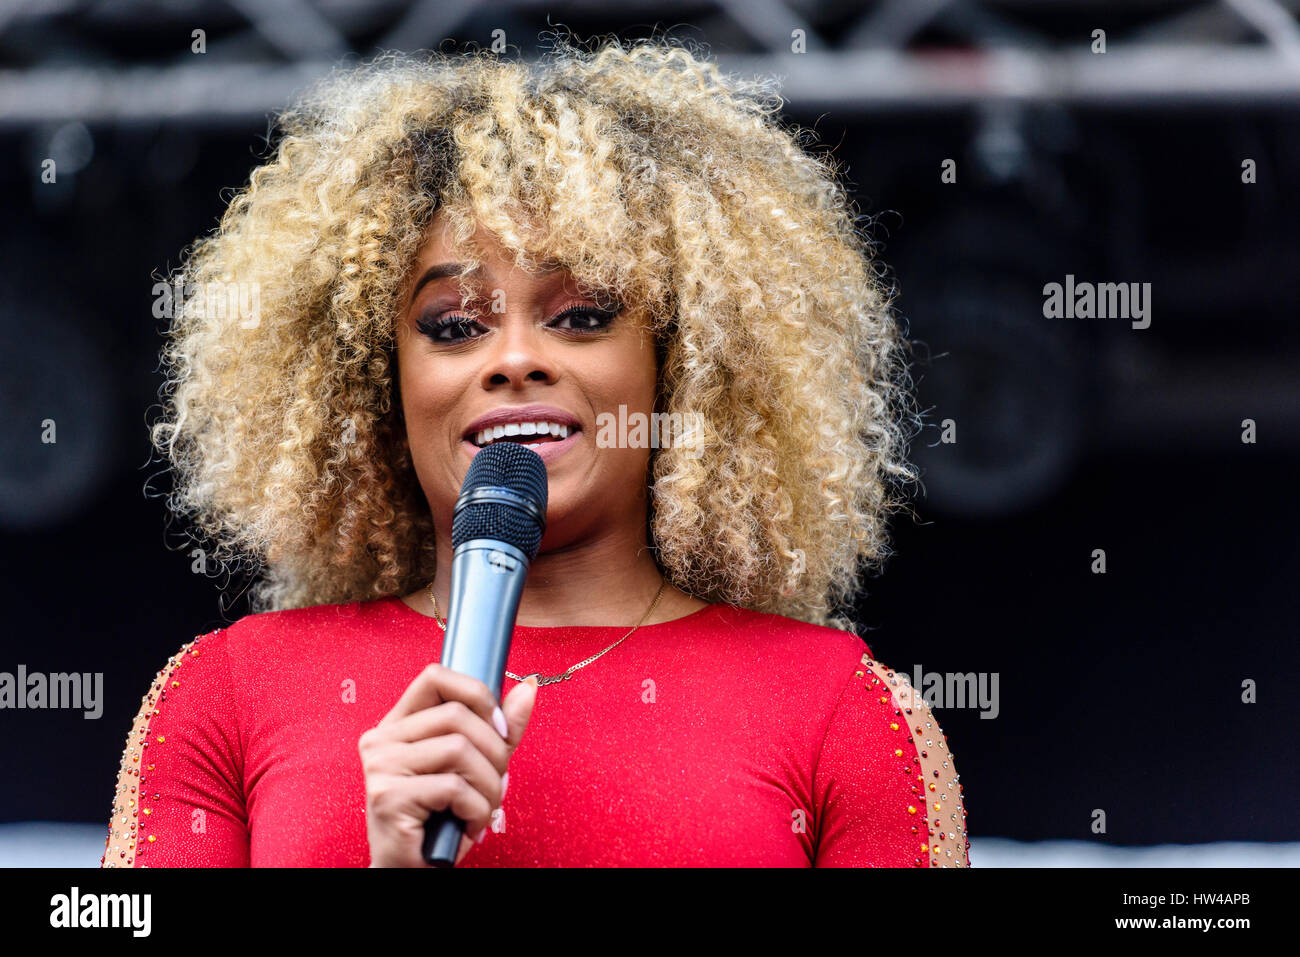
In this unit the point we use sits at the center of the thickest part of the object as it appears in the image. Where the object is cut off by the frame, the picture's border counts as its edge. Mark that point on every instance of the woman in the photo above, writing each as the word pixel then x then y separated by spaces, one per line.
pixel 449 252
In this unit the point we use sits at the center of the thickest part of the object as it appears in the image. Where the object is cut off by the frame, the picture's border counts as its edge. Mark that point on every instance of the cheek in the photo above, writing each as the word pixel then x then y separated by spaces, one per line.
pixel 632 373
pixel 628 379
pixel 429 393
pixel 430 398
pixel 625 377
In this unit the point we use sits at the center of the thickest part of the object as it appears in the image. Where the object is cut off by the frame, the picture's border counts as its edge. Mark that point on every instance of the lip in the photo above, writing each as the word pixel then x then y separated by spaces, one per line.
pixel 520 414
pixel 506 415
pixel 547 450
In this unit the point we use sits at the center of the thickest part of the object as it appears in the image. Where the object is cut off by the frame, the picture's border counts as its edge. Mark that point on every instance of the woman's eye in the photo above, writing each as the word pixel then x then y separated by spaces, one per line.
pixel 455 329
pixel 585 318
pixel 450 328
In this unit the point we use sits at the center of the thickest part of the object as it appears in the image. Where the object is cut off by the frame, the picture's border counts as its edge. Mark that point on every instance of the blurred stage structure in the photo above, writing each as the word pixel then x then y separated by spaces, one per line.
pixel 859 56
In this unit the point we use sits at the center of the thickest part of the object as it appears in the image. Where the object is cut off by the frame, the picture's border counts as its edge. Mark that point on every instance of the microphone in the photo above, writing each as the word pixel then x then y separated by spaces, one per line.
pixel 495 533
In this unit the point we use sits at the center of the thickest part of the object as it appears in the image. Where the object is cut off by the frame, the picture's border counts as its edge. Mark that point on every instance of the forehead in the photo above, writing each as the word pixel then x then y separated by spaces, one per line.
pixel 439 245
pixel 439 242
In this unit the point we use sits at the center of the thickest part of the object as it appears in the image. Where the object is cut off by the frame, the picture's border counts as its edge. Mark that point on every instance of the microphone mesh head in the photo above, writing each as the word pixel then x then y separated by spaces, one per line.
pixel 517 469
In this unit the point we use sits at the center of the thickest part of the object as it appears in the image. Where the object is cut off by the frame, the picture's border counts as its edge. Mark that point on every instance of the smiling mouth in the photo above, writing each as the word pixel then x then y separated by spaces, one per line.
pixel 540 432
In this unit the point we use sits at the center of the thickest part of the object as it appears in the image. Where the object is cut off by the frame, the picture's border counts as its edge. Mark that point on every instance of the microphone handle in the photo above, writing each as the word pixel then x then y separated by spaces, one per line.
pixel 442 833
pixel 487 581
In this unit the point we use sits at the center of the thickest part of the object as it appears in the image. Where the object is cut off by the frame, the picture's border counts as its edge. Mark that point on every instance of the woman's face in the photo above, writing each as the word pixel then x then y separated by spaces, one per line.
pixel 528 348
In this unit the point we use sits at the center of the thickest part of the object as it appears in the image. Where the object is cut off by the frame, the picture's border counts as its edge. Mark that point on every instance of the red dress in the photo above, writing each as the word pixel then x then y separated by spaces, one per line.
pixel 724 738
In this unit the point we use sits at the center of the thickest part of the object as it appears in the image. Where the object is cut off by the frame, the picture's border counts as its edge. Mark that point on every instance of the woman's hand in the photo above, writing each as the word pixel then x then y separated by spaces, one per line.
pixel 438 747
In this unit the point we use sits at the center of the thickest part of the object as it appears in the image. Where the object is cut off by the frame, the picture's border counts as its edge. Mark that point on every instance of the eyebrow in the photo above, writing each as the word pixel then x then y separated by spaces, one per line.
pixel 448 270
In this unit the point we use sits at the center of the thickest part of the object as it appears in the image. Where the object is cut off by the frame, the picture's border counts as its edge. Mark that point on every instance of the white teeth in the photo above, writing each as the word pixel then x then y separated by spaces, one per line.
pixel 492 433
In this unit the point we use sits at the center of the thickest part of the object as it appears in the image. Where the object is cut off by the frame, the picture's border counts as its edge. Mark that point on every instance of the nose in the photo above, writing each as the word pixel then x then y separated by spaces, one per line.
pixel 518 356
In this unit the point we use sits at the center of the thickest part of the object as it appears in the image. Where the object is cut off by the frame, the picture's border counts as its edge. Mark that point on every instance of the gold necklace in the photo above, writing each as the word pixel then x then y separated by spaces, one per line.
pixel 565 675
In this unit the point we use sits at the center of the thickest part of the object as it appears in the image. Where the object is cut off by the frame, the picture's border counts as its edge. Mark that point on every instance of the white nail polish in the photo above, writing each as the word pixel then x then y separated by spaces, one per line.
pixel 499 722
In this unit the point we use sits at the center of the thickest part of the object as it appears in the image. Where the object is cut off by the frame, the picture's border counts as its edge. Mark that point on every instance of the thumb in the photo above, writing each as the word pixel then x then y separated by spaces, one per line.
pixel 518 708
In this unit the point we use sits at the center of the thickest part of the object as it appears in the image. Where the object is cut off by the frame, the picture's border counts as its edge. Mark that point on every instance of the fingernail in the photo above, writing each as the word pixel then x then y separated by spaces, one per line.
pixel 499 722
pixel 531 681
pixel 482 834
pixel 505 783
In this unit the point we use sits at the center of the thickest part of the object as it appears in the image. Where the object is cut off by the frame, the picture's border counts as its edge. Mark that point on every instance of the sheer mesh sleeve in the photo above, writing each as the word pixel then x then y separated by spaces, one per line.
pixel 885 781
pixel 180 796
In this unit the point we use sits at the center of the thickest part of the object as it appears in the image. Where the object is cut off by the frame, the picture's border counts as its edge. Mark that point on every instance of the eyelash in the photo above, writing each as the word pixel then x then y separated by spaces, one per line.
pixel 432 327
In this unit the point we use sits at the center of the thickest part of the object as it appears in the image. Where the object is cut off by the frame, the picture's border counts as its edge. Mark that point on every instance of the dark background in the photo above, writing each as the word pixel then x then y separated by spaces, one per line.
pixel 1119 691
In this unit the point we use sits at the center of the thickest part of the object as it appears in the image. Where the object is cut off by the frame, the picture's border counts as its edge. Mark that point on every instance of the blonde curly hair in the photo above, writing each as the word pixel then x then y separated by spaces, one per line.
pixel 647 173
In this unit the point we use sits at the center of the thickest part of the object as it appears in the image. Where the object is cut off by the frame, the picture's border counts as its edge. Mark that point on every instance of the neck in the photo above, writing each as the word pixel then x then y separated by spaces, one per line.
pixel 607 580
